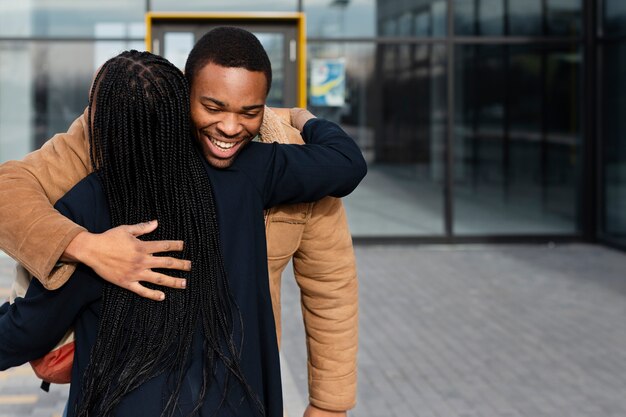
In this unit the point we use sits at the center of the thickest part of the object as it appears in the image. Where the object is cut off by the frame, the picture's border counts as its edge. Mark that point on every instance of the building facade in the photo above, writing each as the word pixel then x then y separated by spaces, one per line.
pixel 480 119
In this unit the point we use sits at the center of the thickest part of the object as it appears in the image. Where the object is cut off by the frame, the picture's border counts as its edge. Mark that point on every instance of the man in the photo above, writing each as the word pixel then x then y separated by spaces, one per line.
pixel 227 110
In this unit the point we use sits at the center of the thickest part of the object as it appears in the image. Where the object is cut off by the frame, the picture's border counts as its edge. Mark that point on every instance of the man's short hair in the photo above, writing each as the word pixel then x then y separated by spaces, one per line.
pixel 229 47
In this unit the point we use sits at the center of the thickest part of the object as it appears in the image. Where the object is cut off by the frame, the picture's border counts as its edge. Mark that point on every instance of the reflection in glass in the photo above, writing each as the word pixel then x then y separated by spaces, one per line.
pixel 274 44
pixel 44 88
pixel 517 140
pixel 61 86
pixel 525 17
pixel 564 17
pixel 27 18
pixel 614 14
pixel 517 17
pixel 395 110
pixel 224 5
pixel 491 17
pixel 420 19
pixel 340 18
pixel 16 100
pixel 367 18
pixel 613 143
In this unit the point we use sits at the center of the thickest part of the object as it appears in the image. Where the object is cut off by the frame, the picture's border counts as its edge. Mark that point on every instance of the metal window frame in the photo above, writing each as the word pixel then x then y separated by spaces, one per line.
pixel 600 41
pixel 587 214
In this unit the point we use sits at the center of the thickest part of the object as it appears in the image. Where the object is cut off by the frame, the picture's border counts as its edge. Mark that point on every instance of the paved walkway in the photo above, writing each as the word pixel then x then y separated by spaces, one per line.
pixel 457 331
pixel 490 331
pixel 20 394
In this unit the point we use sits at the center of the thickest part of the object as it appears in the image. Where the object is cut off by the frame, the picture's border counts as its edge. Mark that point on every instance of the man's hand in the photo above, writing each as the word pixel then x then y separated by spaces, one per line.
pixel 299 117
pixel 312 411
pixel 122 259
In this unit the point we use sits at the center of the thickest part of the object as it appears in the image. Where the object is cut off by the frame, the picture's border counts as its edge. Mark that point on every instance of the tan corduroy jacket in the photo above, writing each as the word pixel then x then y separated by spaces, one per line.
pixel 315 235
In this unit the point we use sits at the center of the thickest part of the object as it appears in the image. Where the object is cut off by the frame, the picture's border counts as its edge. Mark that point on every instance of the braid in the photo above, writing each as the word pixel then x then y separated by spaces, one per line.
pixel 142 152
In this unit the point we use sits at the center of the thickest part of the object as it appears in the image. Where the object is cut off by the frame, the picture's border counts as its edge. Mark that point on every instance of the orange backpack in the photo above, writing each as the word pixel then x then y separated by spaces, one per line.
pixel 56 366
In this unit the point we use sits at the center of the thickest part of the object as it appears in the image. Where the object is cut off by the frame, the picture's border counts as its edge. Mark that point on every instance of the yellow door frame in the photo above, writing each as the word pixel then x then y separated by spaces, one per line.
pixel 261 17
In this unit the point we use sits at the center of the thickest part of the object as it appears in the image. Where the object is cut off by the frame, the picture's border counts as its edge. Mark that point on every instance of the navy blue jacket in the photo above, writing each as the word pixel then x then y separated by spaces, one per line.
pixel 262 176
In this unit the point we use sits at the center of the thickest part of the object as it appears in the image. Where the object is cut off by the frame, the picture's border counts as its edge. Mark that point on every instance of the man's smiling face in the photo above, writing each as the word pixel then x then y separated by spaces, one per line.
pixel 227 107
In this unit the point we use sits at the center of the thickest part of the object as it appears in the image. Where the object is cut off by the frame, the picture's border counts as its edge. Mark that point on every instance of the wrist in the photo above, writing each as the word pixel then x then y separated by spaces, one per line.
pixel 78 248
pixel 299 117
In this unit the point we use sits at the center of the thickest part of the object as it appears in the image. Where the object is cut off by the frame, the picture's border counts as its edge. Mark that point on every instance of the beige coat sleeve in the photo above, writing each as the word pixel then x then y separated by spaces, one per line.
pixel 31 230
pixel 325 269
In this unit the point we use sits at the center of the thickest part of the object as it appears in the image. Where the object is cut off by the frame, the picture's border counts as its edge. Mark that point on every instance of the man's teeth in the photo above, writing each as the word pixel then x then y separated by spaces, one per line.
pixel 223 145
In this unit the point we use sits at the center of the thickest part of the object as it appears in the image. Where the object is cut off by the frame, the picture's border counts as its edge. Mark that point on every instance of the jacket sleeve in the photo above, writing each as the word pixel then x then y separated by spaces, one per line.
pixel 31 230
pixel 325 269
pixel 33 325
pixel 330 163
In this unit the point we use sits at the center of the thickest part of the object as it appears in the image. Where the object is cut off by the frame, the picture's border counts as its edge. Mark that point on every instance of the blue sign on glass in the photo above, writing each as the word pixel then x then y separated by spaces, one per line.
pixel 328 82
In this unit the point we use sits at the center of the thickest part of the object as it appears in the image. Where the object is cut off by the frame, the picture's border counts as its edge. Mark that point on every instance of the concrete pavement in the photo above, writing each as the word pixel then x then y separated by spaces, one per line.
pixel 456 331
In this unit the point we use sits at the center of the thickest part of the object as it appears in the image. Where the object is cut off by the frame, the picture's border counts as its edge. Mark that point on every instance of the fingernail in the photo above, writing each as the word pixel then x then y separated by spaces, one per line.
pixel 161 297
pixel 183 284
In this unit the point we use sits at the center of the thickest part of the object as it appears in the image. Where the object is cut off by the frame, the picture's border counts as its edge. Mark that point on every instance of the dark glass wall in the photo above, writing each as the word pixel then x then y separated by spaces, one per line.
pixel 518 17
pixel 612 18
pixel 471 129
pixel 517 138
pixel 517 147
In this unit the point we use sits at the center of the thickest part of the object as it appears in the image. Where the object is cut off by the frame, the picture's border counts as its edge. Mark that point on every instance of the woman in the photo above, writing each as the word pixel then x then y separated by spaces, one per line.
pixel 209 349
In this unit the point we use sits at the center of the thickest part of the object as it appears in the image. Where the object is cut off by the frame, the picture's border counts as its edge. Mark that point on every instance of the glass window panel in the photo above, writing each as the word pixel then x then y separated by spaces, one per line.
pixel 405 24
pixel 388 27
pixel 41 18
pixel 224 5
pixel 430 21
pixel 564 17
pixel 395 108
pixel 422 25
pixel 517 140
pixel 491 17
pixel 342 18
pixel 613 143
pixel 439 13
pixel 614 14
pixel 43 88
pixel 465 17
pixel 518 17
pixel 479 17
pixel 274 44
pixel 16 100
pixel 525 17
pixel 368 18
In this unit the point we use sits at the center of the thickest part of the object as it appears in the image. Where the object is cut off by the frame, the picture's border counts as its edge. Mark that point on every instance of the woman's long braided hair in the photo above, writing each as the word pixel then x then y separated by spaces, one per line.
pixel 144 155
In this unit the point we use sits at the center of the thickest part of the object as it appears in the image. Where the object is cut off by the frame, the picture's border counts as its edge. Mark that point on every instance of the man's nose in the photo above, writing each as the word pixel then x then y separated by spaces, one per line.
pixel 229 125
